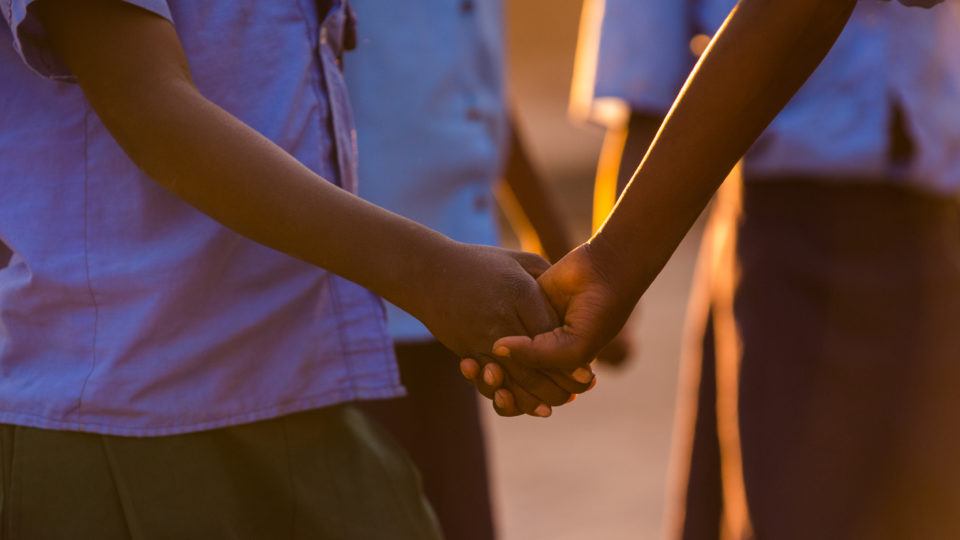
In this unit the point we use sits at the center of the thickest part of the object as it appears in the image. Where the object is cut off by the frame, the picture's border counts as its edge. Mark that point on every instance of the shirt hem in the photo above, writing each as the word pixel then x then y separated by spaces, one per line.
pixel 267 413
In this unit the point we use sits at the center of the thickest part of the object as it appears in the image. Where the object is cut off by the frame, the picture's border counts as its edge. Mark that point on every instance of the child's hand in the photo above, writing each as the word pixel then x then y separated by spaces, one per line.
pixel 474 295
pixel 594 311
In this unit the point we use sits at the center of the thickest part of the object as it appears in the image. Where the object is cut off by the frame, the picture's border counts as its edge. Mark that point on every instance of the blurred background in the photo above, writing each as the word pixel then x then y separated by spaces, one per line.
pixel 597 468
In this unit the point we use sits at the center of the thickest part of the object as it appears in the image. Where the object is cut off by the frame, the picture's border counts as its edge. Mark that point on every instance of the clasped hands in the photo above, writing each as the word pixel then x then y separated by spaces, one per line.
pixel 526 331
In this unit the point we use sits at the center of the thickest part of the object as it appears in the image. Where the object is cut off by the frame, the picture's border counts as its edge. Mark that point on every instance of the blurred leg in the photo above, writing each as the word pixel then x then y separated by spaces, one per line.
pixel 438 423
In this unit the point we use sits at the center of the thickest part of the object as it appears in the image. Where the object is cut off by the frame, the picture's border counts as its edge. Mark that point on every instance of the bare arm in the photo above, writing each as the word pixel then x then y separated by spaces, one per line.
pixel 758 60
pixel 133 71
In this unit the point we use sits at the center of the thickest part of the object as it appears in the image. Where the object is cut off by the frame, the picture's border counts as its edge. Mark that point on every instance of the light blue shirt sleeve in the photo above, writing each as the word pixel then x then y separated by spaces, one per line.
pixel 30 41
pixel 644 54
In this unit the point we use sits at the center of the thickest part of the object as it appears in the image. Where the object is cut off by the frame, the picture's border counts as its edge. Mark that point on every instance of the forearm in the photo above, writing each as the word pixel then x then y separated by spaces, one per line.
pixel 536 201
pixel 227 170
pixel 133 71
pixel 761 57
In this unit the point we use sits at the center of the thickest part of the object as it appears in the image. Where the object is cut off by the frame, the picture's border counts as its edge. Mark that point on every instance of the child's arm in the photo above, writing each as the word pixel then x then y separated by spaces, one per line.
pixel 759 59
pixel 132 69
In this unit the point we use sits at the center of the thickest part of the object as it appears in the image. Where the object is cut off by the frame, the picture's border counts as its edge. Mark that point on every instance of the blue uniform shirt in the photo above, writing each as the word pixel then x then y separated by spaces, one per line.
pixel 126 311
pixel 426 83
pixel 837 126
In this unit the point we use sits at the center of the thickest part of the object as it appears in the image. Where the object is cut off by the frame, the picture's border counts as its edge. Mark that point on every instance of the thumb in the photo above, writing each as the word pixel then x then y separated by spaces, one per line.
pixel 556 349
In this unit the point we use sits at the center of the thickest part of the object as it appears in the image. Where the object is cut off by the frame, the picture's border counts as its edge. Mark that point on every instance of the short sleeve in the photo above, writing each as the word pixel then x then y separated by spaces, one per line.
pixel 632 55
pixel 30 40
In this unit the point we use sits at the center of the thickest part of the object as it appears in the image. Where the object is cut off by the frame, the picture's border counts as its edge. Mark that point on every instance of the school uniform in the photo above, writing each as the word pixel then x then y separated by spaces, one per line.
pixel 164 376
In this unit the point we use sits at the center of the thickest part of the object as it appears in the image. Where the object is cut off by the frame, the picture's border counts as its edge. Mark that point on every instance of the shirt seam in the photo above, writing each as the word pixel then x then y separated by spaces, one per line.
pixel 343 352
pixel 86 259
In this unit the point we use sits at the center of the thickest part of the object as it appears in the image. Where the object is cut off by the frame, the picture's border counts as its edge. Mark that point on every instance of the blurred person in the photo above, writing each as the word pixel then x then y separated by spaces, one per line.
pixel 179 349
pixel 435 137
pixel 847 281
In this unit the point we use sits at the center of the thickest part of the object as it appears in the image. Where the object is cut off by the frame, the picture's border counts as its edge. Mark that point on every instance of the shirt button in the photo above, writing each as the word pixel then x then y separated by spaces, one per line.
pixel 474 114
pixel 466 6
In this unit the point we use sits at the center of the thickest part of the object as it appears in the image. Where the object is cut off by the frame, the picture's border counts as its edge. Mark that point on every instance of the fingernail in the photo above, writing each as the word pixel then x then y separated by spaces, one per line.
pixel 498 400
pixel 582 375
pixel 542 410
pixel 502 351
pixel 463 371
pixel 573 397
pixel 488 376
pixel 592 384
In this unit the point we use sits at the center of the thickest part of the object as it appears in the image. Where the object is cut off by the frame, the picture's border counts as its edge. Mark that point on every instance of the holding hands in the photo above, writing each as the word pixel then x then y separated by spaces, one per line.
pixel 478 294
pixel 593 310
pixel 741 82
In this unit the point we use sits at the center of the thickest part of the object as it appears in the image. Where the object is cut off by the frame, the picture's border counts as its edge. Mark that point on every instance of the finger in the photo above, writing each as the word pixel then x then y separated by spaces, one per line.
pixel 536 383
pixel 575 382
pixel 536 313
pixel 556 349
pixel 493 375
pixel 504 405
pixel 469 368
pixel 526 402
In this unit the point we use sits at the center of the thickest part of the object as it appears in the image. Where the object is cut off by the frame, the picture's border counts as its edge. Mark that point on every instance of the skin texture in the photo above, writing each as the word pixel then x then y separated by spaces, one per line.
pixel 758 60
pixel 132 69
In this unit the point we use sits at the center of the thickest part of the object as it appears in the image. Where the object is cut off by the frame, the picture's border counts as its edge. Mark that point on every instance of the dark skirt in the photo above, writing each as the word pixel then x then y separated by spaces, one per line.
pixel 327 473
pixel 847 387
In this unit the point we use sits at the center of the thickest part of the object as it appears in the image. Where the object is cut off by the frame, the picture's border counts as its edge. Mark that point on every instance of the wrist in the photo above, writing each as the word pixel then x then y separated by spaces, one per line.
pixel 611 264
pixel 422 271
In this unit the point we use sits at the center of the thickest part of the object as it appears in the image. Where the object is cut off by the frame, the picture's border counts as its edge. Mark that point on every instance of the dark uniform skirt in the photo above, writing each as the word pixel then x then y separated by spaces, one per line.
pixel 323 474
pixel 833 411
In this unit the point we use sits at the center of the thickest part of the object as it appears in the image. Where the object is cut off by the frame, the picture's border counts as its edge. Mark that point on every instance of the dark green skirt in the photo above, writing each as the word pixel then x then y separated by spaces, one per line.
pixel 328 473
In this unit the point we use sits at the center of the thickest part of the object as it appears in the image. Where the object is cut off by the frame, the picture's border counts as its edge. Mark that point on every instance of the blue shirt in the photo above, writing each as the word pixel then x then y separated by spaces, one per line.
pixel 126 311
pixel 426 82
pixel 837 126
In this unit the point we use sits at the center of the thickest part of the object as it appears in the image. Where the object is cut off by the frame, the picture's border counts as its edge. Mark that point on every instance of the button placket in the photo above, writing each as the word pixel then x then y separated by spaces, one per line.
pixel 330 49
